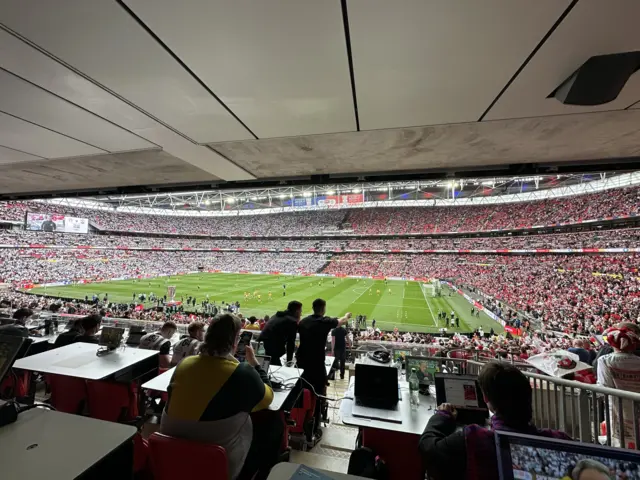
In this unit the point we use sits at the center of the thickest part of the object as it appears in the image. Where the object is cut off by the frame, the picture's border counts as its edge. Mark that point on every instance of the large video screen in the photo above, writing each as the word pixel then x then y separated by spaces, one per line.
pixel 52 222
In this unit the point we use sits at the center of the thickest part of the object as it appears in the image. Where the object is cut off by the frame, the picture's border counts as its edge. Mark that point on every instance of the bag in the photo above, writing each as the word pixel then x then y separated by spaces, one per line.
pixel 365 463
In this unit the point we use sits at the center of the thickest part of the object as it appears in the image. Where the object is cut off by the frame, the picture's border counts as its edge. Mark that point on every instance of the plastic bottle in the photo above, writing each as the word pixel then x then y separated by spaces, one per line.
pixel 414 387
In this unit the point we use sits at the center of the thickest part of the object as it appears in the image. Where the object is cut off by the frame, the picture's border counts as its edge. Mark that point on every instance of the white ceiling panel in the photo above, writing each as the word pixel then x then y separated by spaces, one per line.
pixel 24 100
pixel 280 65
pixel 27 137
pixel 34 66
pixel 102 40
pixel 8 155
pixel 427 62
pixel 593 27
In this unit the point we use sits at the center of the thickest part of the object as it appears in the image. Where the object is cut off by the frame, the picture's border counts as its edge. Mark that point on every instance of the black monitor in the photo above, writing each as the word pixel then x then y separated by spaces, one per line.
pixel 111 337
pixel 530 457
pixel 10 346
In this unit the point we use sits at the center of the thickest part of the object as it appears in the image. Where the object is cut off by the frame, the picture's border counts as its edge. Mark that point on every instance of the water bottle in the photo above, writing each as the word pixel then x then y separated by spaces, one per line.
pixel 414 387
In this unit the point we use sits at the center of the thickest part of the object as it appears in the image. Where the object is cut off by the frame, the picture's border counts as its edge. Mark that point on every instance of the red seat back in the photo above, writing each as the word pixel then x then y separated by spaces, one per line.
pixel 111 401
pixel 16 385
pixel 300 415
pixel 68 394
pixel 173 458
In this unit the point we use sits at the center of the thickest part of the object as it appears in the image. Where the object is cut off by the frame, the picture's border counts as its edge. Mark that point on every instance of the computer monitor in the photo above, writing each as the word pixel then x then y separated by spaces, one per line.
pixel 376 382
pixel 135 334
pixel 400 354
pixel 425 369
pixel 10 346
pixel 527 457
pixel 464 393
pixel 111 337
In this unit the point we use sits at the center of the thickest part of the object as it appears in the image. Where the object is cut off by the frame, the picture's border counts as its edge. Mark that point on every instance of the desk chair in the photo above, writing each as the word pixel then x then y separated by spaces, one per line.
pixel 173 458
pixel 68 394
pixel 112 401
pixel 300 426
pixel 16 384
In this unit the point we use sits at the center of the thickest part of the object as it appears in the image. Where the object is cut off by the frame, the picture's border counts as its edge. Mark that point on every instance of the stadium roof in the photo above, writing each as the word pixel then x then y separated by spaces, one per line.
pixel 123 95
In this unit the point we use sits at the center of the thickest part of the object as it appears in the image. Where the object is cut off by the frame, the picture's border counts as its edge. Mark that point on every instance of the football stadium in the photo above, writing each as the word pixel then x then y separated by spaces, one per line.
pixel 394 304
pixel 285 239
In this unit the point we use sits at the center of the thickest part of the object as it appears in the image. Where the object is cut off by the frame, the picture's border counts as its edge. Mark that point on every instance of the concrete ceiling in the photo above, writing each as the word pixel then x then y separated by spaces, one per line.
pixel 114 93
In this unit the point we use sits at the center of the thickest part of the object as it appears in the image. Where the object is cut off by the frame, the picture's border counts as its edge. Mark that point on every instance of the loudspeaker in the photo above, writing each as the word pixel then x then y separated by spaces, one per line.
pixel 599 80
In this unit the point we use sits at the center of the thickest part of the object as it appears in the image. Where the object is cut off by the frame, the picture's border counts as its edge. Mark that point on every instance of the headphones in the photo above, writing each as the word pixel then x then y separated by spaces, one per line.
pixel 380 356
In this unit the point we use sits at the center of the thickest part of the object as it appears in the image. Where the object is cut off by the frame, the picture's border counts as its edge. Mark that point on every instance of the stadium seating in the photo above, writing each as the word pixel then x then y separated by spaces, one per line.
pixel 574 209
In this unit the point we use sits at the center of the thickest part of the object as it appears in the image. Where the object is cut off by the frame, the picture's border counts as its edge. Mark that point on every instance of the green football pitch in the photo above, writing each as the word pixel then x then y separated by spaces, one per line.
pixel 398 304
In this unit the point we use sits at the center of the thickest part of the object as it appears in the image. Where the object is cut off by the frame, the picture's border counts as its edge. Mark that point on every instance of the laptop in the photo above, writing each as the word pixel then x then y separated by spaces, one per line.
pixel 10 346
pixel 463 392
pixel 528 457
pixel 111 337
pixel 135 334
pixel 376 393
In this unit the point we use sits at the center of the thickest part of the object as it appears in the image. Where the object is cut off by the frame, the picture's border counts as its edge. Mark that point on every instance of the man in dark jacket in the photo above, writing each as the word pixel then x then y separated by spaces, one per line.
pixel 18 327
pixel 279 333
pixel 470 452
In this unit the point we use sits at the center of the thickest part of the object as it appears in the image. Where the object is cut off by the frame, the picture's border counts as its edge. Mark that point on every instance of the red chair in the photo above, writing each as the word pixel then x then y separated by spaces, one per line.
pixel 16 385
pixel 111 401
pixel 301 418
pixel 68 394
pixel 173 458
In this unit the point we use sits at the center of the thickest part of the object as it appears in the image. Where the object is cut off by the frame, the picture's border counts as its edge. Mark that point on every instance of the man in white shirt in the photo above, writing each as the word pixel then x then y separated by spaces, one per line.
pixel 189 345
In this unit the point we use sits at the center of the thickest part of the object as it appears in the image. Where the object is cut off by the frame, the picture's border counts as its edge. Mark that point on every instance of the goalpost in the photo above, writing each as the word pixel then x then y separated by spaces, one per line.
pixel 431 289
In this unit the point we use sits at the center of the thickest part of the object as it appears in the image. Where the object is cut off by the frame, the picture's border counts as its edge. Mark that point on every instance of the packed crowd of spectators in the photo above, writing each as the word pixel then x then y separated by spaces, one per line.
pixel 18 266
pixel 583 293
pixel 619 238
pixel 490 217
pixel 22 237
pixel 376 221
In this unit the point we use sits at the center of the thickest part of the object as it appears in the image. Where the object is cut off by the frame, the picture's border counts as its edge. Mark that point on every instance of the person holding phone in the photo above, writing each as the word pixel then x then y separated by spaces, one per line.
pixel 214 398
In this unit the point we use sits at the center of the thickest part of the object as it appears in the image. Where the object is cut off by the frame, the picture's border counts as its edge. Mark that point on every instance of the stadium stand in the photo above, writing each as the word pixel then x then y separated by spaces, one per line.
pixel 373 221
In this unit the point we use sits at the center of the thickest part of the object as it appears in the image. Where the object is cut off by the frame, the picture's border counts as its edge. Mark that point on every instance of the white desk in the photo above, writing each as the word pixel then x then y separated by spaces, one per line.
pixel 36 340
pixel 45 444
pixel 284 471
pixel 413 421
pixel 284 374
pixel 80 360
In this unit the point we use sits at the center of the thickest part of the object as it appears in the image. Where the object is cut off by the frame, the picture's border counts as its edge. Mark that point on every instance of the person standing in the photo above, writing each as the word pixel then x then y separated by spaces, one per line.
pixel 339 343
pixel 314 331
pixel 620 370
pixel 279 333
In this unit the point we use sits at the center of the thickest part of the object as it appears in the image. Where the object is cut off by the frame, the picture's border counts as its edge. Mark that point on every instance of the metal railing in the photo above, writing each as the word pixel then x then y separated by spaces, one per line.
pixel 583 411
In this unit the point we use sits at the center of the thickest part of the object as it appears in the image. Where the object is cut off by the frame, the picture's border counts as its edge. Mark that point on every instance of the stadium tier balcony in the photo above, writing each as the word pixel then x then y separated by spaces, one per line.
pixel 369 221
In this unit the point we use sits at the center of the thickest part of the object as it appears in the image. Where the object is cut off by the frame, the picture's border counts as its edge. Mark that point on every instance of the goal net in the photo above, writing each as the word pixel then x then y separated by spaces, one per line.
pixel 431 289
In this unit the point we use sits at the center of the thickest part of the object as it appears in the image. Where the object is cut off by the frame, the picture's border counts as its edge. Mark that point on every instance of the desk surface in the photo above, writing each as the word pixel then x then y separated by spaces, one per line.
pixel 413 421
pixel 65 445
pixel 39 339
pixel 284 471
pixel 284 374
pixel 80 360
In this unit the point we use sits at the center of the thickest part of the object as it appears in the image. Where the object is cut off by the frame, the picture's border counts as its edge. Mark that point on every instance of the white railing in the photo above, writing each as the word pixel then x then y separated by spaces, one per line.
pixel 583 411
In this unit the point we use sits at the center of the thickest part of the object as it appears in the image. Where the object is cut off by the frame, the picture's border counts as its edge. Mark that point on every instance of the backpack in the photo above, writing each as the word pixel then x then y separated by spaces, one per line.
pixel 365 463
